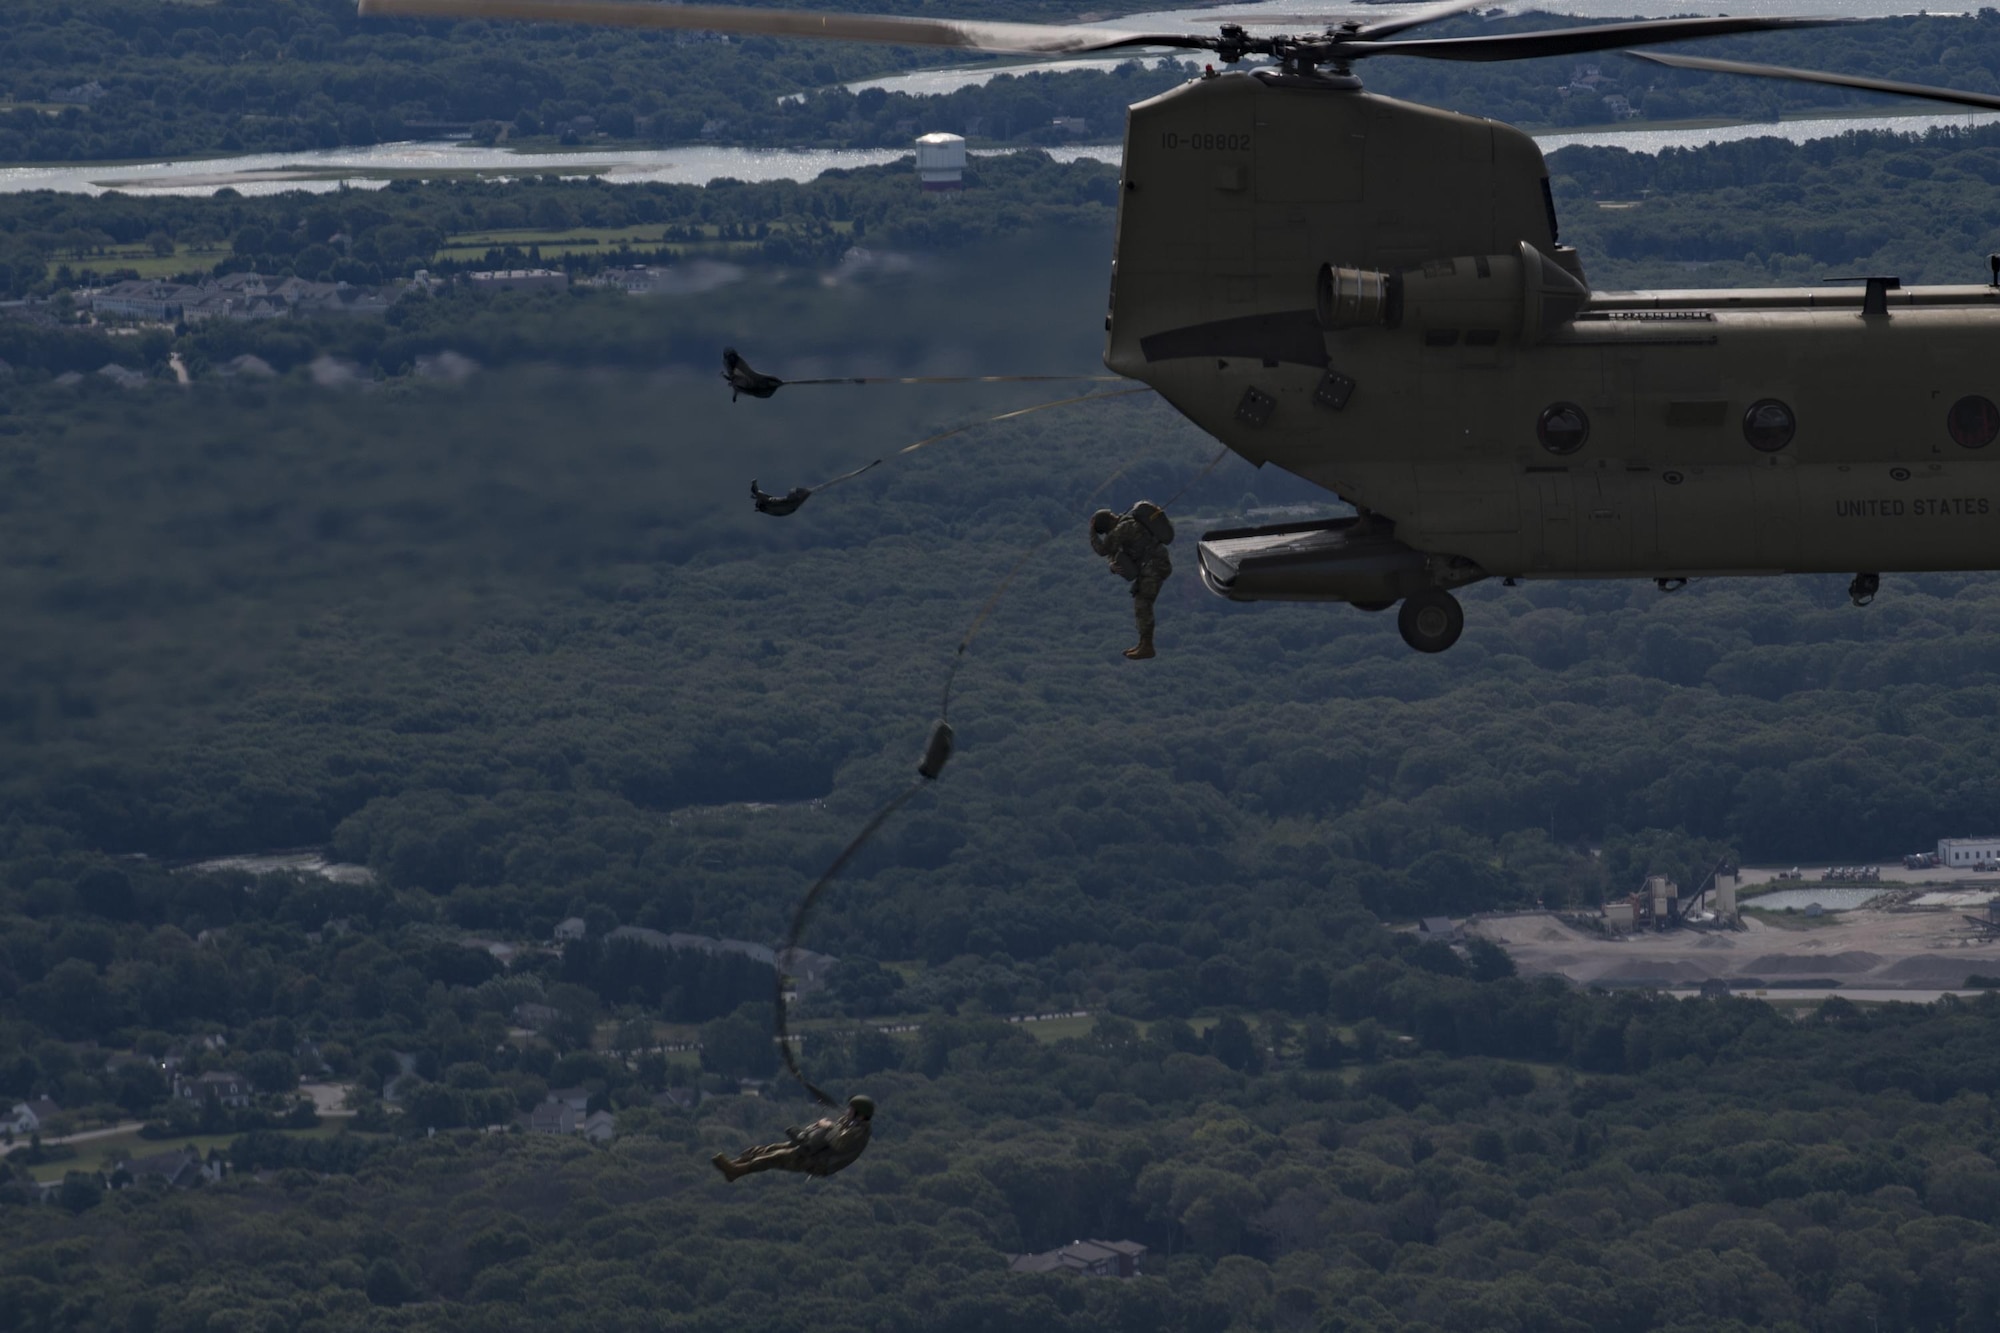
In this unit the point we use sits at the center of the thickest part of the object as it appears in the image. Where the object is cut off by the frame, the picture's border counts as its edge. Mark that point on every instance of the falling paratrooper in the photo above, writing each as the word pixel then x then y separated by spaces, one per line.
pixel 827 1145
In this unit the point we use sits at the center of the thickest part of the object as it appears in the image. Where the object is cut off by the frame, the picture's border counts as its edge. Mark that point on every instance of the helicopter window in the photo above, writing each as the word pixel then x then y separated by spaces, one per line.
pixel 1563 428
pixel 1973 421
pixel 1769 425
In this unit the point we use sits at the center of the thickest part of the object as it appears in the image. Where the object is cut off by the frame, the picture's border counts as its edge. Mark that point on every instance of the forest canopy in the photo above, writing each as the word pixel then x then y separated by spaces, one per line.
pixel 516 646
pixel 93 80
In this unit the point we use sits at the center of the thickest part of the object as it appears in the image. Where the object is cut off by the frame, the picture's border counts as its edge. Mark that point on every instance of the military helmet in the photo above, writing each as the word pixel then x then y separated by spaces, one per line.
pixel 862 1106
pixel 1103 521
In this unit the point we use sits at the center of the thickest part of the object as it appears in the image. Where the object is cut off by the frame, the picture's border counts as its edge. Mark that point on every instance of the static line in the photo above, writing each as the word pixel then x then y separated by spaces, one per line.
pixel 929 770
pixel 780 506
pixel 799 917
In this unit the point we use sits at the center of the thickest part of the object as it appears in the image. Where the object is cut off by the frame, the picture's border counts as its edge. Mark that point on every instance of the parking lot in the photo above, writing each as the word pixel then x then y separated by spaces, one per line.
pixel 1894 949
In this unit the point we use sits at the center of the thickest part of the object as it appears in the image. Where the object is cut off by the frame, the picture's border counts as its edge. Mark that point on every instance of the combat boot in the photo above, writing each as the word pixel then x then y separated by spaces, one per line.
pixel 1142 650
pixel 730 1171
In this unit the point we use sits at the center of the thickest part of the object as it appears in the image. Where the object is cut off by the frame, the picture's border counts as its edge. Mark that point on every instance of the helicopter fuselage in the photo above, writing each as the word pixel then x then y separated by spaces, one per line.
pixel 1489 414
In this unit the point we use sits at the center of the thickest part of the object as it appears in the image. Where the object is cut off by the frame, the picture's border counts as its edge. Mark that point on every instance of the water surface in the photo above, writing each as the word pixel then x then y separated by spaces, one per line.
pixel 320 171
pixel 1830 899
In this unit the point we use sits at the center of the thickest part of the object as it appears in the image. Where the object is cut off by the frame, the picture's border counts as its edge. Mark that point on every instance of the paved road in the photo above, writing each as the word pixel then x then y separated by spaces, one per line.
pixel 328 1098
pixel 1942 876
pixel 85 1137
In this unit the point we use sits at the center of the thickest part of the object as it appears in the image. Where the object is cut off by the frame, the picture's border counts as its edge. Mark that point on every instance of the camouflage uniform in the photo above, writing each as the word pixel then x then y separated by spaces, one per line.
pixel 820 1149
pixel 1131 545
pixel 779 505
pixel 742 379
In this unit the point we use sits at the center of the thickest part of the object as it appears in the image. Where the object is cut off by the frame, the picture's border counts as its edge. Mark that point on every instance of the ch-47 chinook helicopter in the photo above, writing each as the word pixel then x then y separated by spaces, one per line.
pixel 1371 294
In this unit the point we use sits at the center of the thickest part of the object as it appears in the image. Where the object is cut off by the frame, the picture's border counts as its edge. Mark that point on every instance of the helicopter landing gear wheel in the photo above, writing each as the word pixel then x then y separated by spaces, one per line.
pixel 1371 606
pixel 1862 591
pixel 1431 620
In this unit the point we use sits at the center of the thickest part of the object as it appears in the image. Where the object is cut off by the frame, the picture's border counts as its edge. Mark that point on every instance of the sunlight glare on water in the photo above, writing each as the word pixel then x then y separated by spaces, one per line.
pixel 371 168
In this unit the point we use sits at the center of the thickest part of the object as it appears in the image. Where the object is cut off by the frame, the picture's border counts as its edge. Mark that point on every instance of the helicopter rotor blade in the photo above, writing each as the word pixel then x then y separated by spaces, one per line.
pixel 1417 18
pixel 1576 41
pixel 964 34
pixel 1232 42
pixel 1986 101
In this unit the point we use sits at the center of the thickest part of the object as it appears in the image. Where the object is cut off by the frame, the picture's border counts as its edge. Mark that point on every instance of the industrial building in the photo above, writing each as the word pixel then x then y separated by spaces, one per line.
pixel 1963 852
pixel 1660 904
pixel 522 280
pixel 941 161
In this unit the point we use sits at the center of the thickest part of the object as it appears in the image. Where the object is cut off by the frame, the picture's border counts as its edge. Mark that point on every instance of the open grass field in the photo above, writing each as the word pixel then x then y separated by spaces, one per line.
pixel 581 238
pixel 140 259
pixel 99 1154
pixel 470 247
pixel 1055 1029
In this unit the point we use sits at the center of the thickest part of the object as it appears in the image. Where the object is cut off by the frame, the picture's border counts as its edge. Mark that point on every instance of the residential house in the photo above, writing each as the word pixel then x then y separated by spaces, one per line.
pixel 553 1117
pixel 522 280
pixel 309 1059
pixel 160 302
pixel 687 279
pixel 566 1111
pixel 637 281
pixel 232 1090
pixel 572 928
pixel 183 1168
pixel 31 1116
pixel 1439 928
pixel 1087 1258
pixel 535 1016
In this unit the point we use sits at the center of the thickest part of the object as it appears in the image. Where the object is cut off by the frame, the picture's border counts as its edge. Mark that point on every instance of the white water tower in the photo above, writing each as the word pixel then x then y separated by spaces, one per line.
pixel 941 161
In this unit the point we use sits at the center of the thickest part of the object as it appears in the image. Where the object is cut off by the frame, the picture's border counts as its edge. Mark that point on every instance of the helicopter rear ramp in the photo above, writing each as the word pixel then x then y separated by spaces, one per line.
pixel 1326 560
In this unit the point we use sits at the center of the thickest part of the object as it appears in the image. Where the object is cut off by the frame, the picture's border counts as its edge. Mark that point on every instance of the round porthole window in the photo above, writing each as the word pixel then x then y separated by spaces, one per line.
pixel 1562 428
pixel 1769 425
pixel 1973 421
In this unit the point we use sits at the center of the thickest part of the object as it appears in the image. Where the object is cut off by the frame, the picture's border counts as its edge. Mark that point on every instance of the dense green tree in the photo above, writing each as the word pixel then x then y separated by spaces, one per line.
pixel 739 1044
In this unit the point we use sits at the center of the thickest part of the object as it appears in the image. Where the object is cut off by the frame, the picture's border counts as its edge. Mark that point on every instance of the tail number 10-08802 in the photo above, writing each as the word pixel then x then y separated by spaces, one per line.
pixel 1207 143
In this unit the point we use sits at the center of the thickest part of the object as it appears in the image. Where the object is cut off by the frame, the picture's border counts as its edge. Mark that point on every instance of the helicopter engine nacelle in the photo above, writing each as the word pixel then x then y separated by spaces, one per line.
pixel 1479 297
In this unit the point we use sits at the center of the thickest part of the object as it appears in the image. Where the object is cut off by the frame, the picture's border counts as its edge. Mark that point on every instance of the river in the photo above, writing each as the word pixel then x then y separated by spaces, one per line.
pixel 323 170
pixel 329 169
